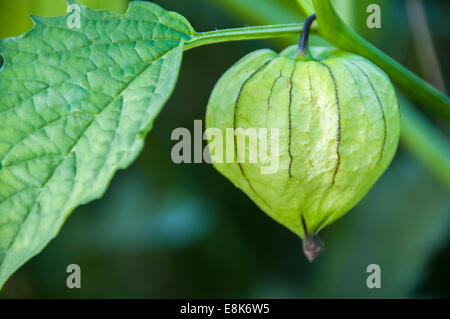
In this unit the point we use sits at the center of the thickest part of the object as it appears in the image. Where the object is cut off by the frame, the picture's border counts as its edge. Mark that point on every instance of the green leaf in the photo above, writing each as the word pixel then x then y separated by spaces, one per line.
pixel 75 106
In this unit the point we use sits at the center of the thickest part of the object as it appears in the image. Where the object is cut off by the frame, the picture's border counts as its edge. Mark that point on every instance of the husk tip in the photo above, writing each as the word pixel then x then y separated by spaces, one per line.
pixel 312 247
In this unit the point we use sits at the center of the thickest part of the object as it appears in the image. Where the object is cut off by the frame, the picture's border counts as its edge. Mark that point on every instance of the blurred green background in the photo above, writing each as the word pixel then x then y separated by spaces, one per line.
pixel 183 231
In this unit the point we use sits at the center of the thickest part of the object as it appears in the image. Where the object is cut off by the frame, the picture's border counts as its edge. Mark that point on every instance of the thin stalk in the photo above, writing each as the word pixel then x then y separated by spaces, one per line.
pixel 247 33
pixel 303 45
pixel 423 42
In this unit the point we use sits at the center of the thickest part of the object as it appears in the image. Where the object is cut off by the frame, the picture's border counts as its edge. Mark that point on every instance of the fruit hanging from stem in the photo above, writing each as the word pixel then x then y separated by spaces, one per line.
pixel 338 124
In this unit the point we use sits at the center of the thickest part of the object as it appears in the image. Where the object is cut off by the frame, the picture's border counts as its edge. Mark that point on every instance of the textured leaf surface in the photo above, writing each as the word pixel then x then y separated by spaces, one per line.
pixel 75 105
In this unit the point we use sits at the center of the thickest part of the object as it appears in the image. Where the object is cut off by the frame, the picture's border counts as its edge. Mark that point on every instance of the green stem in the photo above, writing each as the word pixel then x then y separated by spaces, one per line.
pixel 425 142
pixel 333 29
pixel 247 33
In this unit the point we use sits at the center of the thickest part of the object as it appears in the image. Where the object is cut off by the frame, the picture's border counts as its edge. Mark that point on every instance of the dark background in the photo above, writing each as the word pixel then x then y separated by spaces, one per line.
pixel 183 231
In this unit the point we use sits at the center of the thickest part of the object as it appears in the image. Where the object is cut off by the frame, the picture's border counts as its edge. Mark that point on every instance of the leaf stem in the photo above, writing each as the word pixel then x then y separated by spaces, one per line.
pixel 246 33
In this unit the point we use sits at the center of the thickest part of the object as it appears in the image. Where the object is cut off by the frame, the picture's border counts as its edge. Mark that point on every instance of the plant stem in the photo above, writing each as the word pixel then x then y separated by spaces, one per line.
pixel 333 29
pixel 247 33
pixel 425 142
pixel 423 43
pixel 303 46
